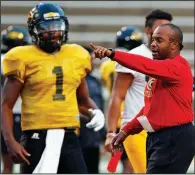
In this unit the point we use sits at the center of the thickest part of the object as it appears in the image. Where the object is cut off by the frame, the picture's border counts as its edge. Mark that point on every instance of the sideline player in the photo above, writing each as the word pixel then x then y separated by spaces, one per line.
pixel 49 76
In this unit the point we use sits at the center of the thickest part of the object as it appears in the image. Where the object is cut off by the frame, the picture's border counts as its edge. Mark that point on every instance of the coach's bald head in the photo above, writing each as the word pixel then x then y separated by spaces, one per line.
pixel 166 41
pixel 176 33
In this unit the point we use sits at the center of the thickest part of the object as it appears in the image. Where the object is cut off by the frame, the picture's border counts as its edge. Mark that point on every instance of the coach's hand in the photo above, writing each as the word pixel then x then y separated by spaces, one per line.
pixel 98 120
pixel 100 52
pixel 17 152
pixel 108 141
pixel 118 139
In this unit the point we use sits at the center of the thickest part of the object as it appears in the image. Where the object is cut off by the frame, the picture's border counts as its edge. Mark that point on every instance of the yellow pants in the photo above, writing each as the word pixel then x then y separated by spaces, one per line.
pixel 135 147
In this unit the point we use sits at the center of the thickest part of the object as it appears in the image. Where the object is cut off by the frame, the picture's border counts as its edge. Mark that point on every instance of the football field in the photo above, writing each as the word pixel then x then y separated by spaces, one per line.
pixel 103 165
pixel 105 159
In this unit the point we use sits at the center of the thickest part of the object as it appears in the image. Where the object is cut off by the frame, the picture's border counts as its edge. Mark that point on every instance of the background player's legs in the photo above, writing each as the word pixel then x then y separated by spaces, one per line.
pixel 127 167
pixel 71 160
pixel 135 146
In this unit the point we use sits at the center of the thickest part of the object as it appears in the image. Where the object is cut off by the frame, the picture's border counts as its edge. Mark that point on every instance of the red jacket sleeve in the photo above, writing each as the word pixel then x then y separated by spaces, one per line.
pixel 167 70
pixel 134 127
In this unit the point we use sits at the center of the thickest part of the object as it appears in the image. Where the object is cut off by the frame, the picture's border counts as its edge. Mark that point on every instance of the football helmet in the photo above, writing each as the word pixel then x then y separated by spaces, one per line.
pixel 129 37
pixel 14 36
pixel 48 26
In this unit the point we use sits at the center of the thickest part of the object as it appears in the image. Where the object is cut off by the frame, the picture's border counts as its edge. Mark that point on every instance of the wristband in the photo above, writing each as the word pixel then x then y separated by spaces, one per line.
pixel 110 134
pixel 110 131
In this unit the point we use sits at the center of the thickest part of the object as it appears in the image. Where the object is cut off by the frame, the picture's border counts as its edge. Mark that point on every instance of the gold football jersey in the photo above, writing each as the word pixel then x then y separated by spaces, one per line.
pixel 50 84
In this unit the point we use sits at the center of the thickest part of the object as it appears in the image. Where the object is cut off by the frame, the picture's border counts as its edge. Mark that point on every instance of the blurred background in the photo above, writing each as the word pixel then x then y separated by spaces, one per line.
pixel 98 22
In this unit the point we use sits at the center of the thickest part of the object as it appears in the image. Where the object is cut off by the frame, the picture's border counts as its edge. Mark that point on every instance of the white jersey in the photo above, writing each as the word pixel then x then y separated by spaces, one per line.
pixel 17 106
pixel 134 99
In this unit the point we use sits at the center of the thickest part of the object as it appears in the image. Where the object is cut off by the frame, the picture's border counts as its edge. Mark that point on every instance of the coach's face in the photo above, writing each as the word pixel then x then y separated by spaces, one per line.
pixel 161 45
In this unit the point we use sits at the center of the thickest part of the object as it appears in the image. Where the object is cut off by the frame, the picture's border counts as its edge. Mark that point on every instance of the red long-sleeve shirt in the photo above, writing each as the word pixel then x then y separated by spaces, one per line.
pixel 168 95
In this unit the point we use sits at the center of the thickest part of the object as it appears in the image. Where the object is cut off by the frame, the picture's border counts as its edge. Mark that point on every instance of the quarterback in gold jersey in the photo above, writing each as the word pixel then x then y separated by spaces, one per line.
pixel 49 76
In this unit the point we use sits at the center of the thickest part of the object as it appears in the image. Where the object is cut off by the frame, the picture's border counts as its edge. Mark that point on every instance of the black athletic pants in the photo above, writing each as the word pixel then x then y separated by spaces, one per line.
pixel 171 150
pixel 71 159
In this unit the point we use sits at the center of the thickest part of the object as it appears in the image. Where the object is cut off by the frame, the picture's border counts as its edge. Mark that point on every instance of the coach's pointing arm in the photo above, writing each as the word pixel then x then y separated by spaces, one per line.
pixel 168 70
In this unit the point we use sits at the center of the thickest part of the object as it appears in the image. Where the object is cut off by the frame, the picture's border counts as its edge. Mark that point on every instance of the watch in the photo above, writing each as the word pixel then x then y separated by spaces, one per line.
pixel 112 54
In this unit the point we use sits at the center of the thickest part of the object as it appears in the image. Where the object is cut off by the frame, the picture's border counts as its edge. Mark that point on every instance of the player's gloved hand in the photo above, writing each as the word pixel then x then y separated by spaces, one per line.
pixel 98 120
pixel 108 141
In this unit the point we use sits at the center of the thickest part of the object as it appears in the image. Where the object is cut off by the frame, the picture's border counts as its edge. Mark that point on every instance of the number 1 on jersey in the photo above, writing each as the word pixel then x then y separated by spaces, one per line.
pixel 59 84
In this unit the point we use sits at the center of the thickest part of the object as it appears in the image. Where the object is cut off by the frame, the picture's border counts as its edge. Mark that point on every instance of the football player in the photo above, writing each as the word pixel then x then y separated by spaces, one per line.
pixel 126 39
pixel 49 76
pixel 129 87
pixel 12 37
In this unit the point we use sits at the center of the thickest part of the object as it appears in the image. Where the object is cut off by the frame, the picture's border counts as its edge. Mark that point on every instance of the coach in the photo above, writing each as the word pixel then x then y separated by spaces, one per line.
pixel 168 114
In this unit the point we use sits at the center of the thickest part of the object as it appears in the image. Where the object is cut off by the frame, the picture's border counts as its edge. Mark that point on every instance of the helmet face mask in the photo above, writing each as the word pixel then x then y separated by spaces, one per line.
pixel 50 34
pixel 48 27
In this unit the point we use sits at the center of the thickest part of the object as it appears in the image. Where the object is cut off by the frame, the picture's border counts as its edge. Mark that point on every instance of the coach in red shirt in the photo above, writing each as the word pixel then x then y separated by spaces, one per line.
pixel 168 114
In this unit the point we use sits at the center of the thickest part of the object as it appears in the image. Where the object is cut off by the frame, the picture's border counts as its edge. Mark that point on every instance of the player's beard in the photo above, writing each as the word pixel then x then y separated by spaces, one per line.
pixel 50 47
pixel 50 42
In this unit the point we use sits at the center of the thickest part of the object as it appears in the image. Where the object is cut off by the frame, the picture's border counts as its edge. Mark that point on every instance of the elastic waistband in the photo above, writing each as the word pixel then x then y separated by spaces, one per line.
pixel 67 129
pixel 170 128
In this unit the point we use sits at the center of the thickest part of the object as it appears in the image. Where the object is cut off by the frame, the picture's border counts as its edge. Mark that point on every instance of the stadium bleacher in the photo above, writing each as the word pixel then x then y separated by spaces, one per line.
pixel 98 21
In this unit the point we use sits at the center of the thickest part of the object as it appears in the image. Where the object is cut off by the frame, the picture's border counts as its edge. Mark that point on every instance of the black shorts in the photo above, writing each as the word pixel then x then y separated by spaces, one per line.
pixel 71 157
pixel 17 133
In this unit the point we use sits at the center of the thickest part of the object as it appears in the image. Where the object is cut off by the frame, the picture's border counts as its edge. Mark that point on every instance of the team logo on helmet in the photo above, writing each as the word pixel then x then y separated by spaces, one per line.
pixel 136 36
pixel 30 16
pixel 15 35
pixel 51 15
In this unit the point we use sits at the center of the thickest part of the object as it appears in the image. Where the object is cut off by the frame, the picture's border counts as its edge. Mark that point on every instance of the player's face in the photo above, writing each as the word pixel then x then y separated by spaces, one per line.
pixel 154 26
pixel 51 30
pixel 53 37
pixel 161 45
